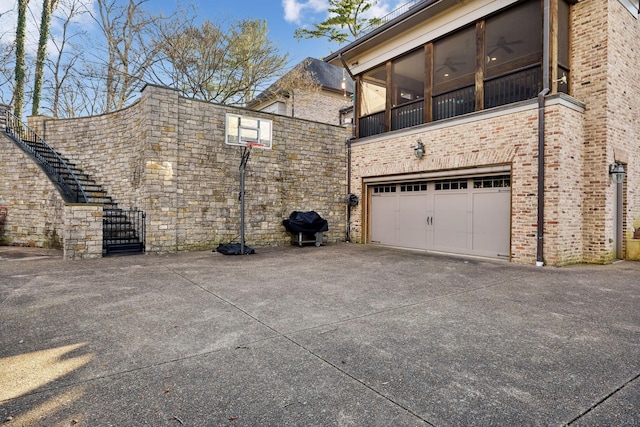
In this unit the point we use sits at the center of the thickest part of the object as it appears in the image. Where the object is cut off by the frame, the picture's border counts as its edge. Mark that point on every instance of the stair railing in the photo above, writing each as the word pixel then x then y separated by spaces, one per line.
pixel 20 133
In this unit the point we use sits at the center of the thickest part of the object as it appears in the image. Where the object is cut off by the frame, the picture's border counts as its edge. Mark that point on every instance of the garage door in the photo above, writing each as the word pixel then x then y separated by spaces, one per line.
pixel 467 216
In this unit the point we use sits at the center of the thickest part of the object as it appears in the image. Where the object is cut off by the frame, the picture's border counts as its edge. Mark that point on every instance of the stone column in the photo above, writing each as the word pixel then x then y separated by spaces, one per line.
pixel 4 109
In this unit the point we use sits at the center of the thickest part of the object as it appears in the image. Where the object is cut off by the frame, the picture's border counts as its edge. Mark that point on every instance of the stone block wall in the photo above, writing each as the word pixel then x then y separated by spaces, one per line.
pixel 166 155
pixel 82 231
pixel 34 205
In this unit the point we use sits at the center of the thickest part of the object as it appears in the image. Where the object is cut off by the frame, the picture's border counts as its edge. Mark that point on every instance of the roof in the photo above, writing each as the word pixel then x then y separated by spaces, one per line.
pixel 329 77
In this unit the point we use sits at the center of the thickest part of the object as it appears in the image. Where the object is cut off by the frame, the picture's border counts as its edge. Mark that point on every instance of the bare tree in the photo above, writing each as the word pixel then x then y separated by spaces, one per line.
pixel 298 80
pixel 7 72
pixel 129 52
pixel 7 69
pixel 205 62
pixel 254 59
pixel 47 7
pixel 20 57
pixel 66 92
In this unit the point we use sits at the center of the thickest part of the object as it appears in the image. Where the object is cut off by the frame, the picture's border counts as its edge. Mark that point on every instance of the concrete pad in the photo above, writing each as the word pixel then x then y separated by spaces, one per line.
pixel 338 335
pixel 266 383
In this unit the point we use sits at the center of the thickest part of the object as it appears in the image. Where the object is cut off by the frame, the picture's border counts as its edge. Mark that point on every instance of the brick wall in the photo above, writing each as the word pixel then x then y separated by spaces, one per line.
pixel 166 155
pixel 604 75
pixel 323 107
pixel 623 106
pixel 490 139
pixel 320 106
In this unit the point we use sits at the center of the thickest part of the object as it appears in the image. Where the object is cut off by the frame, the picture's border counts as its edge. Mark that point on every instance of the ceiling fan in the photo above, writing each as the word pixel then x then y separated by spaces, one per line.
pixel 504 45
pixel 448 63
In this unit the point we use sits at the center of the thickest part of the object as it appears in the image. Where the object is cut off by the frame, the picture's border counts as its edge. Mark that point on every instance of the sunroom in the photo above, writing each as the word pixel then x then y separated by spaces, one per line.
pixel 488 62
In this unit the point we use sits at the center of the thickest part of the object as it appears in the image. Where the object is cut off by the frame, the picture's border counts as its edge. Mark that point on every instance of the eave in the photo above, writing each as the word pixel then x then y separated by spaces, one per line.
pixel 414 16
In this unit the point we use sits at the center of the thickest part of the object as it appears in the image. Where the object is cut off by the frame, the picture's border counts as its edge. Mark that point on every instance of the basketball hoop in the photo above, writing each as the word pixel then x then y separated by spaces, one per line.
pixel 246 131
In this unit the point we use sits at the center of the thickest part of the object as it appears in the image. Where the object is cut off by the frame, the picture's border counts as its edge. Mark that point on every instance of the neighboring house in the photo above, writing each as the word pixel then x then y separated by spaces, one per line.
pixel 454 101
pixel 312 90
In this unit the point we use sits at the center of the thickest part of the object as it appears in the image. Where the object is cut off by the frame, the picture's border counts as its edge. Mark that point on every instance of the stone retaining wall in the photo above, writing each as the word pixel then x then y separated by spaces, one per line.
pixel 166 155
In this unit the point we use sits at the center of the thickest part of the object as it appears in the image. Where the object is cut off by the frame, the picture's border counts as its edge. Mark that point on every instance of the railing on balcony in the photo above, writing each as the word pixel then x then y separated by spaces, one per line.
pixel 454 103
pixel 505 89
pixel 388 17
pixel 407 115
pixel 372 124
pixel 512 87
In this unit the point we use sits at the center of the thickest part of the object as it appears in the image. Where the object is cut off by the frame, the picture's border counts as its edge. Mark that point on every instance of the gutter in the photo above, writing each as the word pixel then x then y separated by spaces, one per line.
pixel 541 128
pixel 346 67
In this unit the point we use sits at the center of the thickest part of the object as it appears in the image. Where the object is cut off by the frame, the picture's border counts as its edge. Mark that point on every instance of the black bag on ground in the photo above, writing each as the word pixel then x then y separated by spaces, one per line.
pixel 233 249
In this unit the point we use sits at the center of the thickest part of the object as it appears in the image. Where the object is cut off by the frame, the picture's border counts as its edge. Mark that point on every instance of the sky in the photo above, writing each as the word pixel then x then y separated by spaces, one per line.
pixel 282 16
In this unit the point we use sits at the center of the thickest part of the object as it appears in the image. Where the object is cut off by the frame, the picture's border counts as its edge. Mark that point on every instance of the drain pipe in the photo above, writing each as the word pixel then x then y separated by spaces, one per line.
pixel 347 201
pixel 540 257
pixel 348 142
pixel 541 128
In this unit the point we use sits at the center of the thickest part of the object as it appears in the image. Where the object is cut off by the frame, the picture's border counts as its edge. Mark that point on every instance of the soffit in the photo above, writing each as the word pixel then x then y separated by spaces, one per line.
pixel 423 23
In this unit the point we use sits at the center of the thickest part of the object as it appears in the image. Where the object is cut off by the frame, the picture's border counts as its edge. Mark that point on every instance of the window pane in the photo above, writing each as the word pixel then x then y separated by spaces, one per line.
pixel 374 91
pixel 407 78
pixel 563 33
pixel 455 60
pixel 514 39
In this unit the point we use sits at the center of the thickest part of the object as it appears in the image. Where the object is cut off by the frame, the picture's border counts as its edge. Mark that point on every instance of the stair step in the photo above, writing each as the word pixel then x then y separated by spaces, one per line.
pixel 123 249
pixel 120 234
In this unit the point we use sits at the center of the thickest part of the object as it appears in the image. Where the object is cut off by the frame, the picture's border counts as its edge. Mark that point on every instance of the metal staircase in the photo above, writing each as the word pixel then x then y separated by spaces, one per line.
pixel 123 230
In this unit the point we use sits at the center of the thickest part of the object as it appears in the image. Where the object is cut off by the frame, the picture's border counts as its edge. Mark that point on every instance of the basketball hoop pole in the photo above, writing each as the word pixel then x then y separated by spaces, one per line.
pixel 243 166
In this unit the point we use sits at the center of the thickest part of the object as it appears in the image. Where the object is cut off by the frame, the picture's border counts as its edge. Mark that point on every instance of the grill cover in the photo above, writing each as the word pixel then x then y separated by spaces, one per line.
pixel 305 222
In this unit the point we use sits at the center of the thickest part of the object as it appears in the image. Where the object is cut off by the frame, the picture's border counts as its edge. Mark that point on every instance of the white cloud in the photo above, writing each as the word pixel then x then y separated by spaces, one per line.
pixel 294 9
pixel 299 11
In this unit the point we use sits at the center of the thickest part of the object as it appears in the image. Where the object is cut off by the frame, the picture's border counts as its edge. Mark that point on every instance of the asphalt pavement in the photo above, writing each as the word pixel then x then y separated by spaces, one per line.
pixel 337 335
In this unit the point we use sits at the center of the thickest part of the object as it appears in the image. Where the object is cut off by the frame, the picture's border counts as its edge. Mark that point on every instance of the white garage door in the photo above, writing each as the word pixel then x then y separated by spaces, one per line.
pixel 467 216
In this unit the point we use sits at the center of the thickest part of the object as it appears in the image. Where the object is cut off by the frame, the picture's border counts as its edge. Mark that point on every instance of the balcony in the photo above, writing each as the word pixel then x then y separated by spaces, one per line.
pixel 373 124
pixel 407 115
pixel 505 89
pixel 454 103
pixel 512 87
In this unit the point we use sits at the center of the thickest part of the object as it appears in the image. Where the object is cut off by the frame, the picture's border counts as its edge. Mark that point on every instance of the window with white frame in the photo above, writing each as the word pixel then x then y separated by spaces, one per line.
pixel 632 5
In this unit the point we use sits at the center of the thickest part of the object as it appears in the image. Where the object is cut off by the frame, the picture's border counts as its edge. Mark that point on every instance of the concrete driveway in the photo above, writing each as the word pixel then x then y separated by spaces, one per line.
pixel 338 335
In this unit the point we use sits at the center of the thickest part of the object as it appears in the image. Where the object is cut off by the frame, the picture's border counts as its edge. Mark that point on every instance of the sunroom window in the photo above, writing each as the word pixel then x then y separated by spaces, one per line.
pixel 454 74
pixel 514 55
pixel 373 101
pixel 407 80
pixel 494 61
pixel 563 47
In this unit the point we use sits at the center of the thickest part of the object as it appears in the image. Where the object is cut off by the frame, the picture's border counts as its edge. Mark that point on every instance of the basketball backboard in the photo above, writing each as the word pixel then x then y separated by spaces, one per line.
pixel 247 131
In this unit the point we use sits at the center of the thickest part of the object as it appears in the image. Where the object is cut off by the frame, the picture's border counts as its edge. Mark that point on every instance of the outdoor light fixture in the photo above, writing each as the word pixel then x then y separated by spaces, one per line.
pixel 418 150
pixel 617 172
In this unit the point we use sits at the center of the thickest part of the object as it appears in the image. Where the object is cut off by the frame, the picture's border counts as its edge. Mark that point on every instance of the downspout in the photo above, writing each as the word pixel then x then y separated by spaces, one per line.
pixel 541 129
pixel 344 64
pixel 347 201
pixel 348 142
